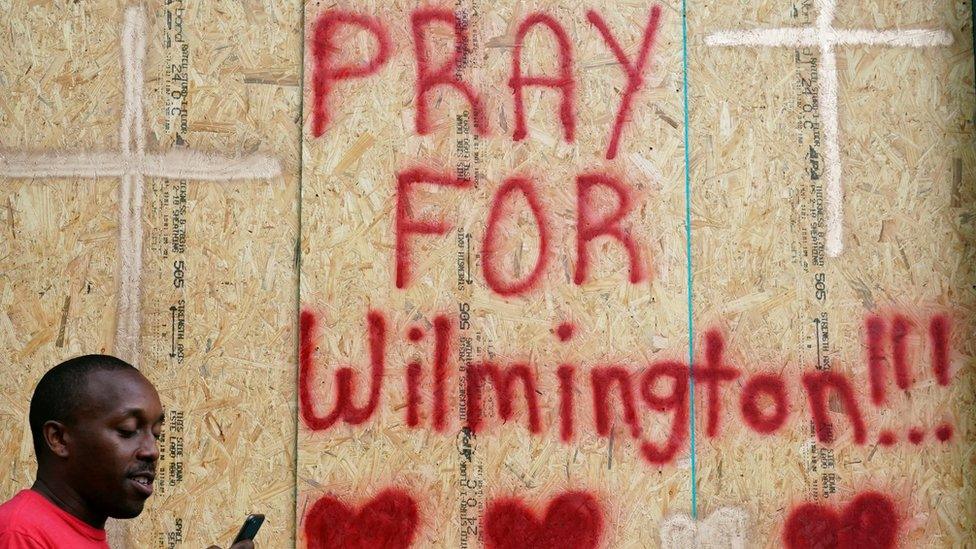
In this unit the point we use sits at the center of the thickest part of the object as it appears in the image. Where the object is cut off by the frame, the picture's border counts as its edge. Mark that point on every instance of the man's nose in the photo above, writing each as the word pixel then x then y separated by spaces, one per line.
pixel 148 448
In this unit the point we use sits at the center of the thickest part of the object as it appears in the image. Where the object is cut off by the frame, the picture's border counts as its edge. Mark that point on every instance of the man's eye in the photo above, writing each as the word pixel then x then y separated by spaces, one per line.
pixel 125 433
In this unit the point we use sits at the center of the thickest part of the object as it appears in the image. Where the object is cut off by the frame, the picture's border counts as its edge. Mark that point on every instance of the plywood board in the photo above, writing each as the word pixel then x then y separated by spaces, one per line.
pixel 785 285
pixel 215 328
pixel 800 214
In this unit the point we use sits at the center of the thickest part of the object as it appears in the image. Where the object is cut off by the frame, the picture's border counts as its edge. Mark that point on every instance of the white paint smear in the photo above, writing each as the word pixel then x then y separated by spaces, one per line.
pixel 726 528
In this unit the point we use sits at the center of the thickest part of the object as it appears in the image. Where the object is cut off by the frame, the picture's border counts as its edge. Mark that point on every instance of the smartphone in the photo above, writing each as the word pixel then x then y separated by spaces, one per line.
pixel 250 527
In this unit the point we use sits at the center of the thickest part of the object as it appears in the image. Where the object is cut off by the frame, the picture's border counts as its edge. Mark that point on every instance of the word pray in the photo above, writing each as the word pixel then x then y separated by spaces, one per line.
pixel 328 70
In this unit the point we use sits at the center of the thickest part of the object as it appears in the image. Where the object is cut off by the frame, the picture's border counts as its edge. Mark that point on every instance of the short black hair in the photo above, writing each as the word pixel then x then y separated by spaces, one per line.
pixel 62 388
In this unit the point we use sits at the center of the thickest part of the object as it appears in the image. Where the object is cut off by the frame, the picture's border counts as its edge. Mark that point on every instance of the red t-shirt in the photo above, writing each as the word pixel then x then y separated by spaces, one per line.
pixel 30 521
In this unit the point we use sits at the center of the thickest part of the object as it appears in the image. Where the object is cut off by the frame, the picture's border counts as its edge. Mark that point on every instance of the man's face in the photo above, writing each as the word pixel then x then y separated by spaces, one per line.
pixel 113 443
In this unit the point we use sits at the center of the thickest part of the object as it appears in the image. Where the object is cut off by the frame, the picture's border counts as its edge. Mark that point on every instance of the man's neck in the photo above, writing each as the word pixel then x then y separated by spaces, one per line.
pixel 62 495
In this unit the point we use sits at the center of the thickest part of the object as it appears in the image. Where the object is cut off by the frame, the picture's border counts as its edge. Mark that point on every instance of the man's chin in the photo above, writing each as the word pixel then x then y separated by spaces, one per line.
pixel 130 511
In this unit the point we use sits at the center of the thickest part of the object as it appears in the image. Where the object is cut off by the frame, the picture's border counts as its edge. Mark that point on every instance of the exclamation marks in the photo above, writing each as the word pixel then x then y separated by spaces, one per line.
pixel 891 340
pixel 877 330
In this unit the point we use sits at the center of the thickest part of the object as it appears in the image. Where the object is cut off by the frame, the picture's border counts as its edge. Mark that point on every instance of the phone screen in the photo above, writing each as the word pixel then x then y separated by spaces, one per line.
pixel 250 527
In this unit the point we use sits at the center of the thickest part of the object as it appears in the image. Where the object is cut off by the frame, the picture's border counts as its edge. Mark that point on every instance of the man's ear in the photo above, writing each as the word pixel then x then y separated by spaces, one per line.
pixel 56 438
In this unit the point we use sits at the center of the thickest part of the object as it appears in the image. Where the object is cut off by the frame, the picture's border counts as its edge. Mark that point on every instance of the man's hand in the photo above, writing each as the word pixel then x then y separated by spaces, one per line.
pixel 246 544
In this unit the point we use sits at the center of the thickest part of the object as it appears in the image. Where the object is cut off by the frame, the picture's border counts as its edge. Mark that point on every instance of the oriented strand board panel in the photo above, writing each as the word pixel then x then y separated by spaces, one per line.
pixel 421 447
pixel 896 294
pixel 501 294
pixel 214 327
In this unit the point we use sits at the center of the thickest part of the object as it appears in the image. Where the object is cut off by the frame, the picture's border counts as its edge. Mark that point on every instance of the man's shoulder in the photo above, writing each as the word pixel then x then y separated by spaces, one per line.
pixel 29 520
pixel 19 514
pixel 19 526
pixel 13 509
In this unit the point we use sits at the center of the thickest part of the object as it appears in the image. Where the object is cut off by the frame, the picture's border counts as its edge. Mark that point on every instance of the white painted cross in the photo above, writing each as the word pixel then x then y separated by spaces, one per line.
pixel 132 164
pixel 826 37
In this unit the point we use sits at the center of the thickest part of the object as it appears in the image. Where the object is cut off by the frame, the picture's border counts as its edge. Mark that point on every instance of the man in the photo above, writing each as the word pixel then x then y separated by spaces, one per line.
pixel 95 422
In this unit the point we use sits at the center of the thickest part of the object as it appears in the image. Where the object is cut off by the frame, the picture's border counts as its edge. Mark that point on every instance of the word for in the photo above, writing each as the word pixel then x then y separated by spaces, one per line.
pixel 617 393
pixel 590 225
pixel 869 521
pixel 328 43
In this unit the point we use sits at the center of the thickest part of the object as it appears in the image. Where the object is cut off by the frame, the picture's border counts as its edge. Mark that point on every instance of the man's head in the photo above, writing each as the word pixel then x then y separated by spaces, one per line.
pixel 95 421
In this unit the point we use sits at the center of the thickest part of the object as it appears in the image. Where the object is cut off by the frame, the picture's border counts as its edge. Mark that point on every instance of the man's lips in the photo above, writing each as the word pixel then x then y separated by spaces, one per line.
pixel 143 483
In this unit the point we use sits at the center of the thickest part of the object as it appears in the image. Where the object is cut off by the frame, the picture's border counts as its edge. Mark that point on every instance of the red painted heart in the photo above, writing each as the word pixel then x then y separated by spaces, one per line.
pixel 389 521
pixel 869 521
pixel 573 520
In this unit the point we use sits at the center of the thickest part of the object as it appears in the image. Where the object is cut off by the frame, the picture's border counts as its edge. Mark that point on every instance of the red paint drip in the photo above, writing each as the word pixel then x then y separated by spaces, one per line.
pixel 415 334
pixel 943 432
pixel 588 227
pixel 389 521
pixel 574 520
pixel 490 265
pixel 429 78
pixel 326 73
pixel 634 71
pixel 564 82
